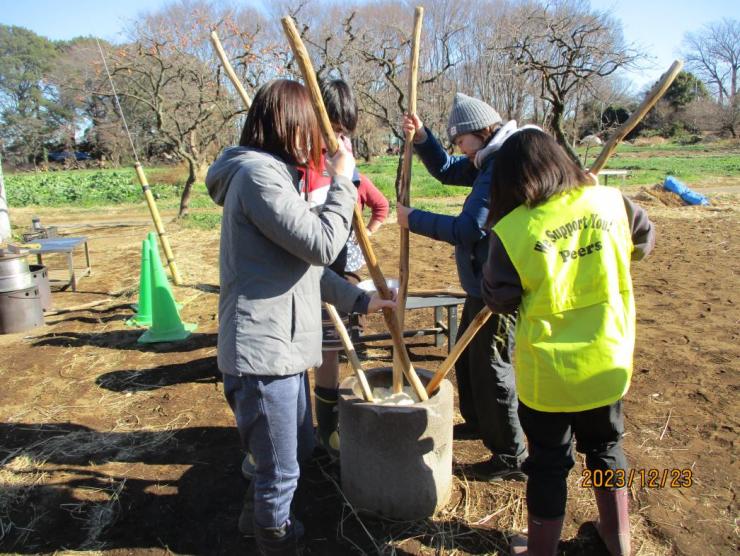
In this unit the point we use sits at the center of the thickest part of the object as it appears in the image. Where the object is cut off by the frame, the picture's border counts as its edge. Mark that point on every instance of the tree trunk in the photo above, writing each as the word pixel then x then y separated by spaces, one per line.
pixel 721 96
pixel 4 211
pixel 187 190
pixel 556 124
pixel 367 155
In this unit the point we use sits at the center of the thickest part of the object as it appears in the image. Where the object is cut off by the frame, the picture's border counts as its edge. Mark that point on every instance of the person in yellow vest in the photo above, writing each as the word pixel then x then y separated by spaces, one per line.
pixel 560 255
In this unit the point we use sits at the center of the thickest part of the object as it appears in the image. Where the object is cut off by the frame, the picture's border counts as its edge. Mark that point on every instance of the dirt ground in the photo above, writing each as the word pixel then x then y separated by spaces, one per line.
pixel 110 446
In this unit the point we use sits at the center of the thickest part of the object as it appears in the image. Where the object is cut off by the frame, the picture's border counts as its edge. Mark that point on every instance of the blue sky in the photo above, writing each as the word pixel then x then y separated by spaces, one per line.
pixel 657 26
pixel 66 20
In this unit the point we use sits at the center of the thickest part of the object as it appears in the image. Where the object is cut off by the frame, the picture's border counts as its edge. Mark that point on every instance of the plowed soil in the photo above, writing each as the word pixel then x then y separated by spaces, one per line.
pixel 110 446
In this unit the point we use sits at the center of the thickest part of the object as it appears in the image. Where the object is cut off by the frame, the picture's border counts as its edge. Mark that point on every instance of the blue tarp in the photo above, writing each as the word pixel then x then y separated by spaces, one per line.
pixel 689 196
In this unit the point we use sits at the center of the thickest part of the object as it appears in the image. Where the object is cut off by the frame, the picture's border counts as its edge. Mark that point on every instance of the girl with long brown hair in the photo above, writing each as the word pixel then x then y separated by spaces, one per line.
pixel 272 256
pixel 560 254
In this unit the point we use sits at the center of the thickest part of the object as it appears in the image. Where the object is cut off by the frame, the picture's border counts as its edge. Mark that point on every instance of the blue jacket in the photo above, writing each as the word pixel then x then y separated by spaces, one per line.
pixel 465 231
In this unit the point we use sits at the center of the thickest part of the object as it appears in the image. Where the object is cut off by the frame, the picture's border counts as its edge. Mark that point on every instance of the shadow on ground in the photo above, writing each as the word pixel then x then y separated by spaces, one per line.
pixel 62 491
pixel 123 339
pixel 203 370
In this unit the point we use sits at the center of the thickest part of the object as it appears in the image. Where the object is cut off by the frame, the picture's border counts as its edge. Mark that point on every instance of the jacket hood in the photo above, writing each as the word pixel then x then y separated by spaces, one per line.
pixel 498 139
pixel 218 178
pixel 221 173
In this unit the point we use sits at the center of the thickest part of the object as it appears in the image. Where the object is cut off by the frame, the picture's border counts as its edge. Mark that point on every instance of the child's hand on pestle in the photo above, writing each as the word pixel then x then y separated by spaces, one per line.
pixel 412 124
pixel 377 303
pixel 342 163
pixel 402 215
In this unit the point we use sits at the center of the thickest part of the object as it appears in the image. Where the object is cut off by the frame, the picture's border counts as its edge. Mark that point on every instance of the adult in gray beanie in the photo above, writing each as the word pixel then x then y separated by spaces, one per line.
pixel 485 375
pixel 468 115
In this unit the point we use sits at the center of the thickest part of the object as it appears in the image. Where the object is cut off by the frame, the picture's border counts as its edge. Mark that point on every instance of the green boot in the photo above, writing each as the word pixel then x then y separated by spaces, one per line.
pixel 327 419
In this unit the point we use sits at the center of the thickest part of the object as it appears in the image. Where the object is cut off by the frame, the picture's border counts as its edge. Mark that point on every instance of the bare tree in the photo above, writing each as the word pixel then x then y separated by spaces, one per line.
pixel 380 36
pixel 170 71
pixel 714 54
pixel 488 72
pixel 79 76
pixel 567 46
pixel 531 59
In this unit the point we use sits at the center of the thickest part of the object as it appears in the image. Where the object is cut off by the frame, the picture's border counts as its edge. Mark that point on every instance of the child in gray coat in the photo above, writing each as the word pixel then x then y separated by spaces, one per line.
pixel 272 257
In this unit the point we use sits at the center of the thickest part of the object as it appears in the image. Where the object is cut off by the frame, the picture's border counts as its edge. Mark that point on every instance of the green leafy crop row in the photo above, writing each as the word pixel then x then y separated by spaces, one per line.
pixel 80 188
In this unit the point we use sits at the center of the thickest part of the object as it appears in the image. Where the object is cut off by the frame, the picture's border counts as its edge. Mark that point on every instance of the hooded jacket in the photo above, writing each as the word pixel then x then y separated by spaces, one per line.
pixel 273 250
pixel 466 231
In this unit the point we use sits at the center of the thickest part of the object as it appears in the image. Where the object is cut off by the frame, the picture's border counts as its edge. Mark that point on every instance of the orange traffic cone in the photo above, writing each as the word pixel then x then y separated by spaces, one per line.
pixel 166 323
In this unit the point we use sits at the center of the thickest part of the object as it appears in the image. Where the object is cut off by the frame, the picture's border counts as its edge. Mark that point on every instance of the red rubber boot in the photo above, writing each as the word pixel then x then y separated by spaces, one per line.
pixel 613 524
pixel 541 540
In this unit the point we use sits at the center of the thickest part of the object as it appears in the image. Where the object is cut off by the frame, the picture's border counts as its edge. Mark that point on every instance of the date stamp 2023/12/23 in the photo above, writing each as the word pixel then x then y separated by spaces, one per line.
pixel 641 478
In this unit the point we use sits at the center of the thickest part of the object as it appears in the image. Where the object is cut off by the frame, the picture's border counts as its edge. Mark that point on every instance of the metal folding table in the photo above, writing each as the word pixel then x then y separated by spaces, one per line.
pixel 67 246
pixel 440 330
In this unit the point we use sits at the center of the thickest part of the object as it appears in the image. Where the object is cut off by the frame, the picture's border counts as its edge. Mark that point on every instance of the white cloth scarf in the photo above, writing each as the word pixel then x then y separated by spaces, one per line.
pixel 498 140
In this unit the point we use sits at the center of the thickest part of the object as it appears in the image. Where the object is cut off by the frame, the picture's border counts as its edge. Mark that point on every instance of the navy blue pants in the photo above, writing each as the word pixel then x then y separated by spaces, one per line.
pixel 486 386
pixel 273 415
pixel 598 433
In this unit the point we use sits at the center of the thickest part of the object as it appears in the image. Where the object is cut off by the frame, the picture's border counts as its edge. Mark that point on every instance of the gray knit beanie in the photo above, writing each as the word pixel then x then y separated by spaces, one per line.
pixel 470 114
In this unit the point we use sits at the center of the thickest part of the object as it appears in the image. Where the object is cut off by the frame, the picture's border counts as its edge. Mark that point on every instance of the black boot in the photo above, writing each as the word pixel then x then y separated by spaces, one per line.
pixel 499 468
pixel 466 431
pixel 327 419
pixel 246 518
pixel 280 541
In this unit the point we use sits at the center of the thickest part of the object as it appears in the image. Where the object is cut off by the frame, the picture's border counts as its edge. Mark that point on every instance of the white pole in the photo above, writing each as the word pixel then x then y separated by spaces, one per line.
pixel 4 213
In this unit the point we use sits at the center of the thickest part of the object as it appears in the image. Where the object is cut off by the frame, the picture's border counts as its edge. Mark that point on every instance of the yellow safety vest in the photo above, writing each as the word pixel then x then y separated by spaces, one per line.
pixel 575 333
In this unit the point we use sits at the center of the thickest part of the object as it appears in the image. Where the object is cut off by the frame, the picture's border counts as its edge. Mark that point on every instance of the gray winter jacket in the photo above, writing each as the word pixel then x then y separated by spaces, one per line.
pixel 273 250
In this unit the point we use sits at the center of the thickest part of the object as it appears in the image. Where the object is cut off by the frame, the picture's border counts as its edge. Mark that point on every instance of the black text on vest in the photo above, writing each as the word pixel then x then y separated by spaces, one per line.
pixel 571 255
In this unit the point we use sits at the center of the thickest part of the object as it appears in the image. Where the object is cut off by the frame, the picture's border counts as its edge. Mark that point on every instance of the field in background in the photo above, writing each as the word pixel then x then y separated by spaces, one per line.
pixel 699 165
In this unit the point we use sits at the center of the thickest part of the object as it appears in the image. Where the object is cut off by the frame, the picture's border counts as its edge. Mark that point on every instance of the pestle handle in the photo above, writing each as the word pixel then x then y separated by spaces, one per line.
pixel 349 349
pixel 309 76
pixel 480 319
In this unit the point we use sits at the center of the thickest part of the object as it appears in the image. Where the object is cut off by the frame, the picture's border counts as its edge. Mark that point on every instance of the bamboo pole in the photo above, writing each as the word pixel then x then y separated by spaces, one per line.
pixel 391 321
pixel 480 319
pixel 75 308
pixel 349 349
pixel 477 323
pixel 163 240
pixel 652 98
pixel 229 69
pixel 437 293
pixel 153 210
pixel 403 193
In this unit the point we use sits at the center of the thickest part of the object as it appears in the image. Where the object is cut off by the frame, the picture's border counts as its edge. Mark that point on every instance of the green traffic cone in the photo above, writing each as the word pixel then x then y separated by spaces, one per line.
pixel 143 315
pixel 166 323
pixel 152 238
